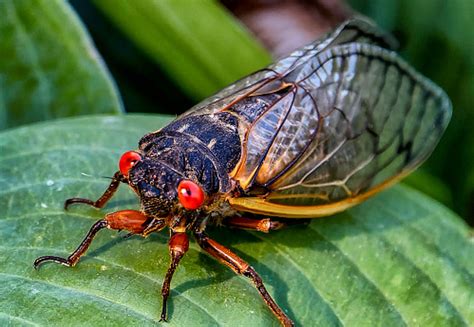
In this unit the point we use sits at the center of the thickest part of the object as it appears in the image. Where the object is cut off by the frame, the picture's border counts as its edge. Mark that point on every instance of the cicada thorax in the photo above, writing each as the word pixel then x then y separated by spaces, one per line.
pixel 202 148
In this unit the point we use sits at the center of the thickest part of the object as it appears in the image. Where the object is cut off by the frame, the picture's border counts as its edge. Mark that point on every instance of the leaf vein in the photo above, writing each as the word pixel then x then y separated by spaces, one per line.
pixel 78 291
pixel 120 266
pixel 19 319
pixel 362 274
pixel 293 263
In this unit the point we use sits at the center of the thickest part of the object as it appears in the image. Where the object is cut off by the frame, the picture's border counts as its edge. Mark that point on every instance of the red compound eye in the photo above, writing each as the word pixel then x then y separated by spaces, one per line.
pixel 190 195
pixel 128 160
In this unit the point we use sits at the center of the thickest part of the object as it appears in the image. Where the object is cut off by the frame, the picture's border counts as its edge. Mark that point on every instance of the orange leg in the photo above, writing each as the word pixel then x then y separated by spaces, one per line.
pixel 134 221
pixel 99 203
pixel 178 246
pixel 239 266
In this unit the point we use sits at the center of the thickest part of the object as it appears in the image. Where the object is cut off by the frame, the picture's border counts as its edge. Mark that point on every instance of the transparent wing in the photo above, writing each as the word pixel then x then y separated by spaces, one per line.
pixel 330 124
pixel 359 117
pixel 352 31
pixel 359 31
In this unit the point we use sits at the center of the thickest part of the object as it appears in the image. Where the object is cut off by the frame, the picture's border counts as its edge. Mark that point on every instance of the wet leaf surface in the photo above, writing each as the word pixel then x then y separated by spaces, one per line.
pixel 397 259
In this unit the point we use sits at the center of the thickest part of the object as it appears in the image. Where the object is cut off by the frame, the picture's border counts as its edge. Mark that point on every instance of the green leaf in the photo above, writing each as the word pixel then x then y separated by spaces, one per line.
pixel 199 44
pixel 397 259
pixel 431 186
pixel 49 67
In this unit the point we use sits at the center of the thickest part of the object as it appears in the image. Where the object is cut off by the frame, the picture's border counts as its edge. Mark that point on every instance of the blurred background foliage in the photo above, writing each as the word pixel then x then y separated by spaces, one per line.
pixel 165 56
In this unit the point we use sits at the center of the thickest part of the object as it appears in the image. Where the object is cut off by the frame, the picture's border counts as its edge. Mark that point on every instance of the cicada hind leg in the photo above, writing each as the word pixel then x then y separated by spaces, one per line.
pixel 241 267
pixel 136 222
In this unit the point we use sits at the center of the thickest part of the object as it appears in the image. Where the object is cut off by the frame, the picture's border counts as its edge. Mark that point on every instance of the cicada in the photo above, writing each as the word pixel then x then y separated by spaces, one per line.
pixel 313 134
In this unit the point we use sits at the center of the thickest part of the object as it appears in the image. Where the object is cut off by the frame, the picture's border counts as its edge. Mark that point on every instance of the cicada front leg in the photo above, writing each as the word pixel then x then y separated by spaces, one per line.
pixel 100 202
pixel 136 222
pixel 81 249
pixel 241 267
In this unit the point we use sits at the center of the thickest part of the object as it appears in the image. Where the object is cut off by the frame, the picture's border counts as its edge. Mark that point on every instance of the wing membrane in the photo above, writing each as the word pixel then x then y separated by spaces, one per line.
pixel 360 116
pixel 352 31
pixel 333 123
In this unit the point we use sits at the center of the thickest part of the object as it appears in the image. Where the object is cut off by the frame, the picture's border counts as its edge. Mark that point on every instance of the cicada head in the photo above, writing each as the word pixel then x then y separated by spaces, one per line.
pixel 162 189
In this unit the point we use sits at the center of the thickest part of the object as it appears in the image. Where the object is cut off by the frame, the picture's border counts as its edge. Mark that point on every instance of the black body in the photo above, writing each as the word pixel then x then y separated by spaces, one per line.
pixel 202 148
